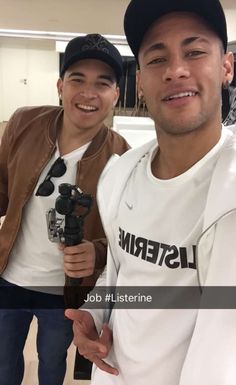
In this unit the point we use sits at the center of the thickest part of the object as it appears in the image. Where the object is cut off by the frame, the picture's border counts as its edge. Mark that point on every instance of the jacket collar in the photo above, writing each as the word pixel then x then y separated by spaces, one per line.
pixel 97 142
pixel 55 124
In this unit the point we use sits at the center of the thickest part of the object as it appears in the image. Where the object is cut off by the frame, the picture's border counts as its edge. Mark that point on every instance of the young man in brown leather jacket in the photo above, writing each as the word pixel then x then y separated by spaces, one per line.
pixel 41 148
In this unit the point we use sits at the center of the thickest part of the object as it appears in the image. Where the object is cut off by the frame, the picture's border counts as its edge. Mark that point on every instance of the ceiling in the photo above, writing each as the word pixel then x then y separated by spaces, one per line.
pixel 73 16
pixel 78 16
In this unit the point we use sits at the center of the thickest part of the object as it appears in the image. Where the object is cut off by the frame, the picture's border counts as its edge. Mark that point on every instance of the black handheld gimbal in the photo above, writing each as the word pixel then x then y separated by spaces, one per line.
pixel 74 205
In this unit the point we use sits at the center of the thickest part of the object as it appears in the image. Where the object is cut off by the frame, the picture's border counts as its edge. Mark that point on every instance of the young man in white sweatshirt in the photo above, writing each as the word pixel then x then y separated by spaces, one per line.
pixel 172 218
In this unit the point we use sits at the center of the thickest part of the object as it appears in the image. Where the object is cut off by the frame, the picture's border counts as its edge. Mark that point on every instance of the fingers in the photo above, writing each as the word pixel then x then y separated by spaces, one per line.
pixel 105 367
pixel 91 348
pixel 85 247
pixel 82 317
pixel 79 260
pixel 85 333
pixel 96 352
pixel 86 338
pixel 74 270
pixel 97 356
pixel 75 315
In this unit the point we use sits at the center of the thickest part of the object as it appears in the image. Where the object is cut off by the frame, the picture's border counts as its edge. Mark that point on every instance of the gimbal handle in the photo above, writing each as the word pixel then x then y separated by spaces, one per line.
pixel 67 204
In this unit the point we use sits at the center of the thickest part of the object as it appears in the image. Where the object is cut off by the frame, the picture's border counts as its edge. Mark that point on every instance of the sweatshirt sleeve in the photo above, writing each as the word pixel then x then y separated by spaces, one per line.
pixel 108 279
pixel 105 284
pixel 212 350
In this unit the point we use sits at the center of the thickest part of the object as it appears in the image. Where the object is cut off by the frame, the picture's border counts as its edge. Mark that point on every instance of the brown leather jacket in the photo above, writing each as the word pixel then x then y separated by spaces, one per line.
pixel 27 145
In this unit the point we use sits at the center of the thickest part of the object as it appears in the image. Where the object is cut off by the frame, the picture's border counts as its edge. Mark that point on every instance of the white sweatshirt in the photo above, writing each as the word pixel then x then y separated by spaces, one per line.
pixel 199 346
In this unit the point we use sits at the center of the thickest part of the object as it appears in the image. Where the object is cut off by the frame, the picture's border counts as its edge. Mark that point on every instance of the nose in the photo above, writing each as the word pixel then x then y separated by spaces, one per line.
pixel 88 91
pixel 176 68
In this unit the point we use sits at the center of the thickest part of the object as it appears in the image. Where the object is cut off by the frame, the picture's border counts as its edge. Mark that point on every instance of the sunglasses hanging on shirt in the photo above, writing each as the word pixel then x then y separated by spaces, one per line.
pixel 58 169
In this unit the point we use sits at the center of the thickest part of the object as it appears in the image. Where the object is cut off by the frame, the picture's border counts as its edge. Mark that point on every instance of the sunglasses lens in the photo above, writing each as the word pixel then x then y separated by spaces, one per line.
pixel 45 189
pixel 58 168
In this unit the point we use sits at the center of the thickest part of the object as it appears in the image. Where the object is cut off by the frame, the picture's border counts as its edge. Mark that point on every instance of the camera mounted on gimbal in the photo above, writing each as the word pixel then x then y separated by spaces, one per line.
pixel 68 203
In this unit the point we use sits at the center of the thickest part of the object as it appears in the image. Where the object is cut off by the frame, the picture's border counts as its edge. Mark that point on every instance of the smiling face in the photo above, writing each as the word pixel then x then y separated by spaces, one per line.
pixel 89 92
pixel 182 69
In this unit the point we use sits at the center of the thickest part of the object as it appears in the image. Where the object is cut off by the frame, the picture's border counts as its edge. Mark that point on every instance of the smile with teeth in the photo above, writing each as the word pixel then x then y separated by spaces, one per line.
pixel 86 108
pixel 181 95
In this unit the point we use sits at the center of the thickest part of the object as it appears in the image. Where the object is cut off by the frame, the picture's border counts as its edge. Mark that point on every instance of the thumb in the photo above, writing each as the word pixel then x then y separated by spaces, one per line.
pixel 75 315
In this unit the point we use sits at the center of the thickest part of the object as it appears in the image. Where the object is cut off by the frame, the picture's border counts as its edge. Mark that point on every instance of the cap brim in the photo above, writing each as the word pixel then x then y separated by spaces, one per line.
pixel 94 54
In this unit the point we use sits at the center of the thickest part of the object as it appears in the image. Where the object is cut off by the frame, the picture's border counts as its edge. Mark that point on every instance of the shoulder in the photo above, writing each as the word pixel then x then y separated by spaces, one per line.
pixel 115 176
pixel 26 117
pixel 34 112
pixel 117 141
pixel 119 167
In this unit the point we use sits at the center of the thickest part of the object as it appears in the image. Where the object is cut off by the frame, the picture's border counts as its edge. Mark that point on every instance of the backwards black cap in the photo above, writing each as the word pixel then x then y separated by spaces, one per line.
pixel 141 14
pixel 92 46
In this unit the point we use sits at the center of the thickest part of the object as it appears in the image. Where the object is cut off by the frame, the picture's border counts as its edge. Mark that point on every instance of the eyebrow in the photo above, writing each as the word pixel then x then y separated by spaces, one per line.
pixel 184 43
pixel 103 76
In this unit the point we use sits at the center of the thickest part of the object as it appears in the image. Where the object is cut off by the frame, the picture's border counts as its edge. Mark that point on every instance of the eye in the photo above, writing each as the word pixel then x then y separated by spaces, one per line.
pixel 76 80
pixel 103 84
pixel 195 53
pixel 157 60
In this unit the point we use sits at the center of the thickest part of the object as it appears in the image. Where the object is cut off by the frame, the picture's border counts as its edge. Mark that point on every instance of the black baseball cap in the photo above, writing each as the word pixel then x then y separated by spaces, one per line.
pixel 92 46
pixel 141 14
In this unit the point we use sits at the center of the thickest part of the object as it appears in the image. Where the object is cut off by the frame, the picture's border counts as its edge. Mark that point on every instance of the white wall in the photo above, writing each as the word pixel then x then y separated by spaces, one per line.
pixel 136 130
pixel 28 75
pixel 38 63
pixel 231 23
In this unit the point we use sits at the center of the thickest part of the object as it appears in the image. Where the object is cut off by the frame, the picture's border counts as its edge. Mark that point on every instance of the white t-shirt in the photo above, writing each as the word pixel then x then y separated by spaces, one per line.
pixel 157 227
pixel 35 261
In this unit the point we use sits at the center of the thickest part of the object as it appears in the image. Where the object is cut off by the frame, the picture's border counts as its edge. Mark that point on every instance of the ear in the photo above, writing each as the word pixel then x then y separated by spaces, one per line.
pixel 139 84
pixel 228 68
pixel 59 87
pixel 117 95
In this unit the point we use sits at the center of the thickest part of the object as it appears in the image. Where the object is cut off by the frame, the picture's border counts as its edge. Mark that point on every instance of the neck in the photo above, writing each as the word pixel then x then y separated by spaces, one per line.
pixel 178 153
pixel 71 138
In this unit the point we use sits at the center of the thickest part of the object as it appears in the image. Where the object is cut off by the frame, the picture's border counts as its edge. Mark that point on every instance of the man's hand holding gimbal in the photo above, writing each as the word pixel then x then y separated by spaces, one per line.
pixel 90 345
pixel 79 260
